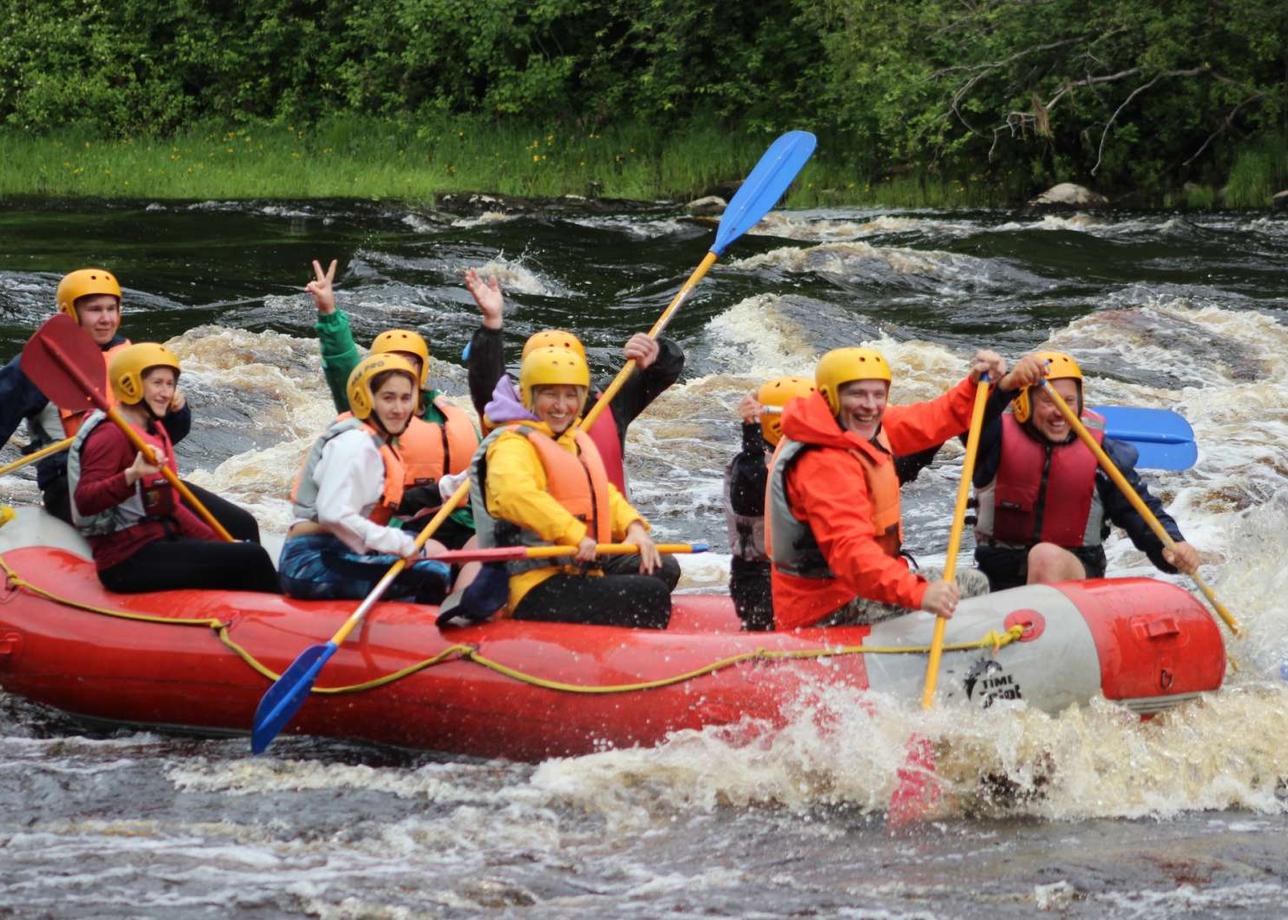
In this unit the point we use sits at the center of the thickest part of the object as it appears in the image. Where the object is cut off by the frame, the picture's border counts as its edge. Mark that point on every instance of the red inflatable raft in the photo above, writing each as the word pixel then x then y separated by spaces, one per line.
pixel 200 660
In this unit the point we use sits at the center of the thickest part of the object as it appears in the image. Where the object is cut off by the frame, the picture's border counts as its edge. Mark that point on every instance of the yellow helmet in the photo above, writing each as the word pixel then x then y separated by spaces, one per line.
pixel 548 366
pixel 126 370
pixel 362 397
pixel 1059 367
pixel 82 283
pixel 778 392
pixel 406 341
pixel 553 338
pixel 842 365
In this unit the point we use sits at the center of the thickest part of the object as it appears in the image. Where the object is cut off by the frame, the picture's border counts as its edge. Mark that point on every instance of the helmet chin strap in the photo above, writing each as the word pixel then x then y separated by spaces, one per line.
pixel 375 419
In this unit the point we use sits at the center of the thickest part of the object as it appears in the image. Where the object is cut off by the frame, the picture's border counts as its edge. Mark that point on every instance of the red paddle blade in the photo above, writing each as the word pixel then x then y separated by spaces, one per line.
pixel 916 790
pixel 66 364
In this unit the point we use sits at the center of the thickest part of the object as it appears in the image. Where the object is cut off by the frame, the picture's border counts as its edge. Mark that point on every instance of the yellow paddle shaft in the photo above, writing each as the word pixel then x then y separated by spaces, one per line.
pixel 421 538
pixel 624 374
pixel 169 474
pixel 955 537
pixel 1130 494
pixel 36 455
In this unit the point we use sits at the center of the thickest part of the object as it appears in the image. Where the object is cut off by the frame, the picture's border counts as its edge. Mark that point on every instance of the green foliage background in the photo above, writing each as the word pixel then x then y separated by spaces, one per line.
pixel 1145 95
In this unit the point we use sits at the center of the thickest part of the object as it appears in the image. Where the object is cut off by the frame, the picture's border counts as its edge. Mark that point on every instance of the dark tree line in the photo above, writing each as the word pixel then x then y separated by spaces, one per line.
pixel 1115 91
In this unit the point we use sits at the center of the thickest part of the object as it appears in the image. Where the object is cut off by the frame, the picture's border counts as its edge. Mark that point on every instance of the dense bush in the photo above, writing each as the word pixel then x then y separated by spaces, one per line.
pixel 1017 92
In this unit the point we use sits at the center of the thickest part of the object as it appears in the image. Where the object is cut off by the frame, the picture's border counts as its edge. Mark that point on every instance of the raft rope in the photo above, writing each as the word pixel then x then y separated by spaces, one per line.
pixel 993 639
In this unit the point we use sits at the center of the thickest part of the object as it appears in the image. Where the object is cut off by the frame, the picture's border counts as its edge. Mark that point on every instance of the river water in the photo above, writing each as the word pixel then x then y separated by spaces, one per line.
pixel 1089 813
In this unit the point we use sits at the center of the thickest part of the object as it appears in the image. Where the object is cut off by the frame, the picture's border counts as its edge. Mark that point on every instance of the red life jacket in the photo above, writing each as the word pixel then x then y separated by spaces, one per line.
pixel 1043 492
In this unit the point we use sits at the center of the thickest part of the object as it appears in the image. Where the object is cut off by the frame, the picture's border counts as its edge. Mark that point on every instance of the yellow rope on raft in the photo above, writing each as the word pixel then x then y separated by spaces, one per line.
pixel 992 639
pixel 460 652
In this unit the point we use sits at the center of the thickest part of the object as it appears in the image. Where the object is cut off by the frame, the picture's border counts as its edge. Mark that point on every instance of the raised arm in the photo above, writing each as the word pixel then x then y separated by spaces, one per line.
pixel 486 362
pixel 335 338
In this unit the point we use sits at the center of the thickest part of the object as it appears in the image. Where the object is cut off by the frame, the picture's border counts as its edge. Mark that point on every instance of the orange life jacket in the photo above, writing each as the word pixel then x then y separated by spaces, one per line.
pixel 579 483
pixel 790 542
pixel 431 450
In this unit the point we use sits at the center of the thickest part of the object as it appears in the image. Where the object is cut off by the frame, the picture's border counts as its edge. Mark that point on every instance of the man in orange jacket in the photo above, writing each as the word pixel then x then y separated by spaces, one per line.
pixel 833 519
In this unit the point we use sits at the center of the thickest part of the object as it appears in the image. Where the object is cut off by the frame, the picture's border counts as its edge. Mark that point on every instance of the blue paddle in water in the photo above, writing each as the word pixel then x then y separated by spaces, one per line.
pixel 1163 439
pixel 764 185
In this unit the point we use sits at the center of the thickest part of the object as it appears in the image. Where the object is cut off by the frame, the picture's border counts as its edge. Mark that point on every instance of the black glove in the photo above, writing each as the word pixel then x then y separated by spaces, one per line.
pixel 418 498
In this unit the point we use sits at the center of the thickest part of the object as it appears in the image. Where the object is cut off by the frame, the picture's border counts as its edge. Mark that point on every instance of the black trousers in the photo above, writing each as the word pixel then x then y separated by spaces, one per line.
pixel 612 599
pixel 750 586
pixel 185 563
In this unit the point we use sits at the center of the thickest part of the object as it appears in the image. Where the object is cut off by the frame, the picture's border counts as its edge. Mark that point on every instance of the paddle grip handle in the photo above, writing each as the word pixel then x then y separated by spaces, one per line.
pixel 1134 499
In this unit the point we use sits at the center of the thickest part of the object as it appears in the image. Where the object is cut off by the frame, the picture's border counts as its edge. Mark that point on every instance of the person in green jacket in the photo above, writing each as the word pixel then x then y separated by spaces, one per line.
pixel 438 444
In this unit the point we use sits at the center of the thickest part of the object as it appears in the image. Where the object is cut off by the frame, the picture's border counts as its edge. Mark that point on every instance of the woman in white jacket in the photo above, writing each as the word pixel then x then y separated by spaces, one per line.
pixel 343 499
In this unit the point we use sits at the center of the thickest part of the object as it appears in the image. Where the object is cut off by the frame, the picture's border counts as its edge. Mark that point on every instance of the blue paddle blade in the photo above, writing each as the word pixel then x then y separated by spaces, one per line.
pixel 700 547
pixel 1153 456
pixel 1163 439
pixel 1133 423
pixel 287 695
pixel 764 186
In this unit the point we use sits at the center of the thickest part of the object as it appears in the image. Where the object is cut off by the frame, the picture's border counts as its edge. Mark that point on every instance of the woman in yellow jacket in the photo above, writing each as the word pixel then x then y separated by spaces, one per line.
pixel 540 482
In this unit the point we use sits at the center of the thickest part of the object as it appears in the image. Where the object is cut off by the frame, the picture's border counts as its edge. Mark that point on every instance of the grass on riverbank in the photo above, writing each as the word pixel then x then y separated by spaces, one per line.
pixel 379 159
pixel 1258 173
pixel 357 157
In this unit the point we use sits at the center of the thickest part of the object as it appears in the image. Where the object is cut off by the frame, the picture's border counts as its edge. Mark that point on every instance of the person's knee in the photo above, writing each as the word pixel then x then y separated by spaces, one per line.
pixel 57 501
pixel 1049 563
pixel 669 572
pixel 652 604
pixel 253 567
pixel 241 524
